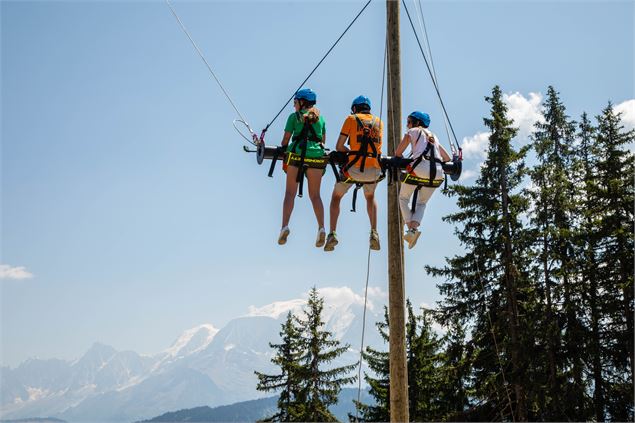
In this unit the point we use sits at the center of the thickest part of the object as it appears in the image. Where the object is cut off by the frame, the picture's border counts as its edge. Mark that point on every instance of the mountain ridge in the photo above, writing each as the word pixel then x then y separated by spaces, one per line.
pixel 203 366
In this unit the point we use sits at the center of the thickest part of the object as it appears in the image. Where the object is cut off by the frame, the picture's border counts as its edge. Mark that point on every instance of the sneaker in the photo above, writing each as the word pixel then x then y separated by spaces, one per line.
pixel 284 233
pixel 331 242
pixel 321 237
pixel 374 240
pixel 411 237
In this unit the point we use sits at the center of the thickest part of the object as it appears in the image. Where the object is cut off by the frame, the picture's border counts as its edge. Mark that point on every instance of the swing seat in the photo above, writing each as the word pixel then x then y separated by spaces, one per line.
pixel 294 159
pixel 453 168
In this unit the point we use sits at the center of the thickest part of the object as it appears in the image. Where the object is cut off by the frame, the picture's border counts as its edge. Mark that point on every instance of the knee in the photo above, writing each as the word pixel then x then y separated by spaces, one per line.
pixel 315 197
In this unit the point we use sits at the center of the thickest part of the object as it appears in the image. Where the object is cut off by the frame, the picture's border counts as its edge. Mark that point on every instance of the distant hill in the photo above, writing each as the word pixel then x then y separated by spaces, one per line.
pixel 253 410
pixel 35 420
pixel 240 411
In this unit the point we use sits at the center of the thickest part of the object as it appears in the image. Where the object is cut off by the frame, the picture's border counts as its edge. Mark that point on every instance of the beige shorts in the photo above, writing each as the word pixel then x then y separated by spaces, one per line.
pixel 370 174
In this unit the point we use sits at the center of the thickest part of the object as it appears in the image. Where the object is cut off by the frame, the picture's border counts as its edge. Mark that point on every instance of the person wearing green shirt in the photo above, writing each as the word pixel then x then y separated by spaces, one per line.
pixel 305 125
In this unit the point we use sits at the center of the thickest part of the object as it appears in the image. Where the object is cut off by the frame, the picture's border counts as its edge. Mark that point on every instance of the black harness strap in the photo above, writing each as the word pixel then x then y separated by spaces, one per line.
pixel 432 160
pixel 393 167
pixel 429 153
pixel 358 185
pixel 337 158
pixel 365 142
pixel 413 206
pixel 301 140
pixel 276 155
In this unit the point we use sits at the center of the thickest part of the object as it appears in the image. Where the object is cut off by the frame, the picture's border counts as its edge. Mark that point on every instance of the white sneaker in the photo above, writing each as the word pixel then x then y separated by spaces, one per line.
pixel 374 240
pixel 321 238
pixel 411 237
pixel 284 233
pixel 331 242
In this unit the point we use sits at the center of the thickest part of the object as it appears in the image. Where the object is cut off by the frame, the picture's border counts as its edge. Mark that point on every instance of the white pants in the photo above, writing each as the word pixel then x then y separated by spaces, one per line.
pixel 405 194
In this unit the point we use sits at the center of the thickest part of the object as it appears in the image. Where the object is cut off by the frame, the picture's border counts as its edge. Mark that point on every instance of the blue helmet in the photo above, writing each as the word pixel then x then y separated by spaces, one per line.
pixel 306 94
pixel 422 117
pixel 362 99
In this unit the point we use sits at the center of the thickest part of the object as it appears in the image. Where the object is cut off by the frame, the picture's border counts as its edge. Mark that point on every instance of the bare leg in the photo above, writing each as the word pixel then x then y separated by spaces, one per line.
pixel 289 194
pixel 334 210
pixel 371 208
pixel 315 179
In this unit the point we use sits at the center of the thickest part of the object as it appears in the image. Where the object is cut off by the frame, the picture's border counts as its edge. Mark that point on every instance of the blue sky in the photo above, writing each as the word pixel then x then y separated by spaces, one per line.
pixel 129 210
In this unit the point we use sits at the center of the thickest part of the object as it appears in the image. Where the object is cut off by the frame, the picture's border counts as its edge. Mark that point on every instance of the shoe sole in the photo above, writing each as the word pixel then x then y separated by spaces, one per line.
pixel 374 244
pixel 412 243
pixel 283 238
pixel 320 241
pixel 330 246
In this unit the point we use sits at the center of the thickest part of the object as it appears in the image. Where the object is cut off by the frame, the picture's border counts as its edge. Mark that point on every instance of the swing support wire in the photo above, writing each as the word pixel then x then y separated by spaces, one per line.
pixel 315 68
pixel 422 27
pixel 361 348
pixel 242 119
pixel 432 76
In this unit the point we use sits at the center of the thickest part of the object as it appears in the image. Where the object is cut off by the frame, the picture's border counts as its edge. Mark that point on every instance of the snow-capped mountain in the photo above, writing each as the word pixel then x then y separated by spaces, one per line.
pixel 204 366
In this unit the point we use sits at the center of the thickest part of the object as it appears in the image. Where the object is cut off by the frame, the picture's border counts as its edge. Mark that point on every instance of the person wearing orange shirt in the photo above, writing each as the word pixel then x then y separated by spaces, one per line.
pixel 364 134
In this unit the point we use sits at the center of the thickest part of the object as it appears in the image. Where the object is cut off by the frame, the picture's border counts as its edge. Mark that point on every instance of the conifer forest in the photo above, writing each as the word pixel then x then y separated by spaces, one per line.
pixel 536 309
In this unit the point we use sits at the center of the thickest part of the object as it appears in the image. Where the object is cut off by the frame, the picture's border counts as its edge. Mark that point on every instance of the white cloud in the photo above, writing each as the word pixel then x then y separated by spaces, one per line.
pixel 468 174
pixel 627 108
pixel 525 112
pixel 12 272
pixel 475 146
pixel 335 298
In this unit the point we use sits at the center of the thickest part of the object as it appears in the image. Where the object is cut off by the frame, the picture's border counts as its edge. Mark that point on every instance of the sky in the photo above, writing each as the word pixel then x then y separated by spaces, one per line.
pixel 129 211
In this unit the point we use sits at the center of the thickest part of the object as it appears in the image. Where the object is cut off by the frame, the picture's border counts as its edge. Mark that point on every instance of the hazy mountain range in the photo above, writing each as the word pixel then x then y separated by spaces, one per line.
pixel 205 366
pixel 250 411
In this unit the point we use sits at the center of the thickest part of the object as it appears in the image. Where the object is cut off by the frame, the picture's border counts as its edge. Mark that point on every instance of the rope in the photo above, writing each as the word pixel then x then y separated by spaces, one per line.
pixel 361 349
pixel 383 80
pixel 236 121
pixel 318 65
pixel 242 118
pixel 424 30
pixel 434 82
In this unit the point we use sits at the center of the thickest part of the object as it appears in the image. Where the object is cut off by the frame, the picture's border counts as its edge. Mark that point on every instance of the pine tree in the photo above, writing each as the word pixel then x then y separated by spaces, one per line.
pixel 321 385
pixel 430 398
pixel 455 373
pixel 488 285
pixel 588 245
pixel 554 220
pixel 614 203
pixel 424 356
pixel 379 386
pixel 288 382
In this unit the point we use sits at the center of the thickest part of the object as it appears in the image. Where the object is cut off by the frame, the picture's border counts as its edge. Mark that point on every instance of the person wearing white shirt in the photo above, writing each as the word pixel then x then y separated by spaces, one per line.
pixel 420 140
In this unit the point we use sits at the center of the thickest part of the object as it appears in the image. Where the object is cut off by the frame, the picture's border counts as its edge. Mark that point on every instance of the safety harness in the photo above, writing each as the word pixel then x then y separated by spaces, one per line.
pixel 299 160
pixel 366 141
pixel 367 148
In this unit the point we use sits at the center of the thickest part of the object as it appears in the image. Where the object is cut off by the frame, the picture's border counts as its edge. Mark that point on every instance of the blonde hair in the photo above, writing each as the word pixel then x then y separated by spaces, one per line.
pixel 312 115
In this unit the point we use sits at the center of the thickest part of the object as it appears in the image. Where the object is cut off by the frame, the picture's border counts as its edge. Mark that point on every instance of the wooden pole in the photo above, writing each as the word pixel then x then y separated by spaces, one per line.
pixel 396 297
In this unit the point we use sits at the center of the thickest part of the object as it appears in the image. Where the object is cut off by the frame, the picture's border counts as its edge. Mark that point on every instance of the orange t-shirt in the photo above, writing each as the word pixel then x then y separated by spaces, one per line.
pixel 354 131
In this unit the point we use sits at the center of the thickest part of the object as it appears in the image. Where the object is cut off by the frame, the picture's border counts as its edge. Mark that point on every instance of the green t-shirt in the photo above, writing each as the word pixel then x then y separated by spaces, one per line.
pixel 295 125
